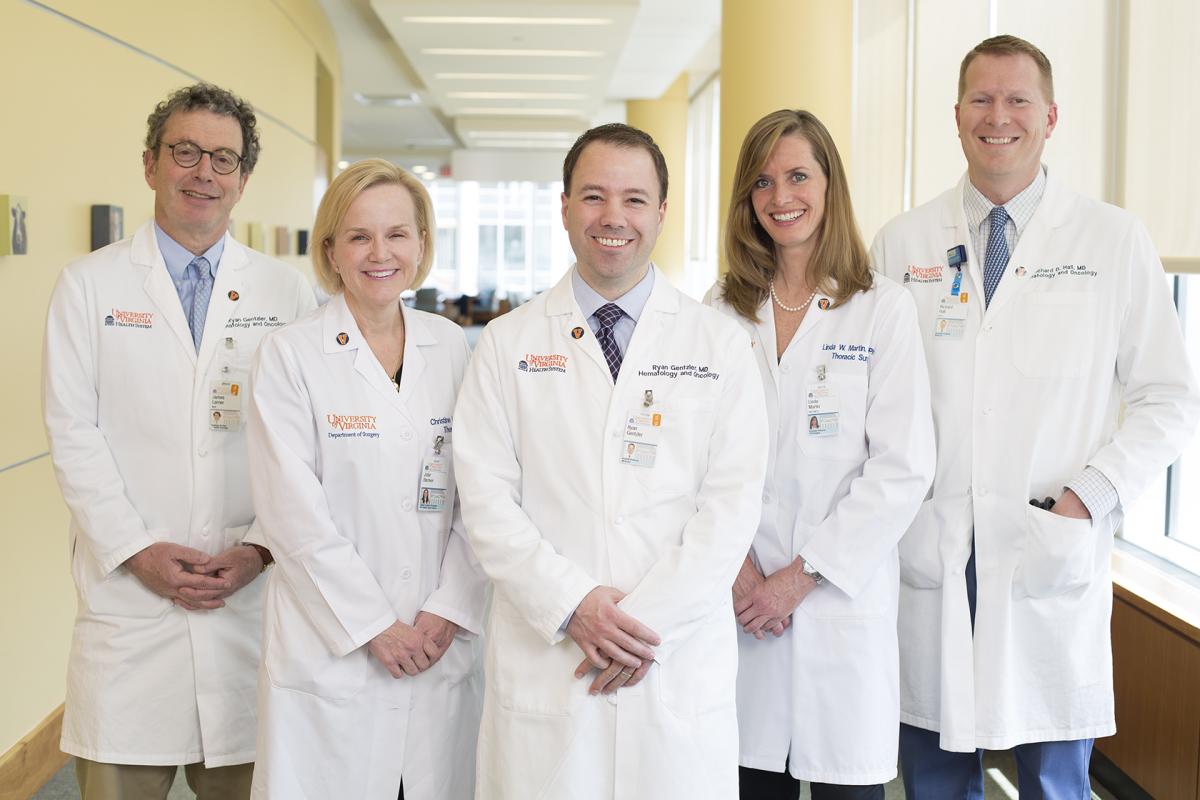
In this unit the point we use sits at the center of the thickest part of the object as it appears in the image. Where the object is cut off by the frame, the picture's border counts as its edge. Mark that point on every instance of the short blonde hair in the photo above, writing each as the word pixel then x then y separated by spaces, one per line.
pixel 839 266
pixel 1005 45
pixel 342 193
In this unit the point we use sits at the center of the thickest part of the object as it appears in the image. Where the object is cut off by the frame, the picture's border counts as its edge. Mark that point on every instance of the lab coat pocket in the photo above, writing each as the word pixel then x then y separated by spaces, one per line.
pixel 296 657
pixel 848 442
pixel 526 675
pixel 920 547
pixel 119 593
pixel 1054 334
pixel 1060 554
pixel 701 675
pixel 682 446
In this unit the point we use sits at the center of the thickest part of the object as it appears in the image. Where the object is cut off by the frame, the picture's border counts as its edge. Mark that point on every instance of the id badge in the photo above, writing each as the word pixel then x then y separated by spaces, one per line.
pixel 639 446
pixel 951 320
pixel 225 406
pixel 435 482
pixel 822 410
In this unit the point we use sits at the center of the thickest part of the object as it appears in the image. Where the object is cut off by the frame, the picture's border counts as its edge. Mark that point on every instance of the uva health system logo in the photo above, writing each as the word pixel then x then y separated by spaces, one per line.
pixel 129 319
pixel 553 362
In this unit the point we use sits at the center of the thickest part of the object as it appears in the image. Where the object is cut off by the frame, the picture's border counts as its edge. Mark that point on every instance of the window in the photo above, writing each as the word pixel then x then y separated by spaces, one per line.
pixel 500 238
pixel 1166 519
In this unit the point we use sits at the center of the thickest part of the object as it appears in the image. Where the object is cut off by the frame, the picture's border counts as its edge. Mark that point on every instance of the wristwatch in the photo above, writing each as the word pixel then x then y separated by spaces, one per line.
pixel 811 572
pixel 263 553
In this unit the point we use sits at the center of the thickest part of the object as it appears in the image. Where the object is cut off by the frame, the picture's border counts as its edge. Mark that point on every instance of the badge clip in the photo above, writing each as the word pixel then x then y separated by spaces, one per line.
pixel 437 444
pixel 821 372
pixel 648 398
pixel 957 256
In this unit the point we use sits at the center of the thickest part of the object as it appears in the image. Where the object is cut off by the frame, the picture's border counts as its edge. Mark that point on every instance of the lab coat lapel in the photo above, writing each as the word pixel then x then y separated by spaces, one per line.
pixel 763 339
pixel 954 222
pixel 145 253
pixel 416 337
pixel 660 309
pixel 226 297
pixel 565 316
pixel 1034 239
pixel 340 325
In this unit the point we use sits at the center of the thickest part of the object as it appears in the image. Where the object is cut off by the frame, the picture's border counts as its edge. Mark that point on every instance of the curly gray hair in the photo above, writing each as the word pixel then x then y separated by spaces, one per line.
pixel 207 97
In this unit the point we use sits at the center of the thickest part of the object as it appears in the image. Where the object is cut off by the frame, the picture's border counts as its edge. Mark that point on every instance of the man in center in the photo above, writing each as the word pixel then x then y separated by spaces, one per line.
pixel 611 447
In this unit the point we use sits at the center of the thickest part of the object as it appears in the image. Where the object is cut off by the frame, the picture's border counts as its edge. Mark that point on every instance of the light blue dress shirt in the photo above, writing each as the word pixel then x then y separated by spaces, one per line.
pixel 177 258
pixel 632 303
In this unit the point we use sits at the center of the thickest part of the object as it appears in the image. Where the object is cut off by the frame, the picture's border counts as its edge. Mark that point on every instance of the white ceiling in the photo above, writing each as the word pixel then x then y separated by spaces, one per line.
pixel 521 76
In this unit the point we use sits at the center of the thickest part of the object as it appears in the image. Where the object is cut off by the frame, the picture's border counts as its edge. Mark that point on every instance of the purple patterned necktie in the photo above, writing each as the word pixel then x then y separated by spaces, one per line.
pixel 607 315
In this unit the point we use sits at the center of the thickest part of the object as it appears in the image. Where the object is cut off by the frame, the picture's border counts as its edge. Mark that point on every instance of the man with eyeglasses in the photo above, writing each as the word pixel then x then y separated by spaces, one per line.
pixel 147 356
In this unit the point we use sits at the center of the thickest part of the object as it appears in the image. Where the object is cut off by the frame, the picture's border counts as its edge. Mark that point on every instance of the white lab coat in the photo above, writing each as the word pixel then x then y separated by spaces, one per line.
pixel 336 455
pixel 825 696
pixel 552 513
pixel 1081 323
pixel 126 401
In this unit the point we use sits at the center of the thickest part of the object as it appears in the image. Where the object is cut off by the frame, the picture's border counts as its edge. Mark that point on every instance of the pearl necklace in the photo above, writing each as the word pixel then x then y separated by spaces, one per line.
pixel 792 309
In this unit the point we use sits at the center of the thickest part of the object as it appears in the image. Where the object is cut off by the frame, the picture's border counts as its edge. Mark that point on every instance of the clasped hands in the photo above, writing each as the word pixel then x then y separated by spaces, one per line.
pixel 412 649
pixel 764 604
pixel 192 579
pixel 612 642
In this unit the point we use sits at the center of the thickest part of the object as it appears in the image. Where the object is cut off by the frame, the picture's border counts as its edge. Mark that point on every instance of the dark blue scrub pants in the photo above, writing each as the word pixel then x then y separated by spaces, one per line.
pixel 1045 770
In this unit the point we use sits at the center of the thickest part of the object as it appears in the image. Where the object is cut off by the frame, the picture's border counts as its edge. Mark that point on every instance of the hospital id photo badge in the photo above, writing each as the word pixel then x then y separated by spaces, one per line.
pixel 225 406
pixel 951 320
pixel 435 482
pixel 639 445
pixel 821 410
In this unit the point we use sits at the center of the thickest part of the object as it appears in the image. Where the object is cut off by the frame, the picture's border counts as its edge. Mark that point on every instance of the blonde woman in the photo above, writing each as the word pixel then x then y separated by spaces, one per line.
pixel 368 686
pixel 851 459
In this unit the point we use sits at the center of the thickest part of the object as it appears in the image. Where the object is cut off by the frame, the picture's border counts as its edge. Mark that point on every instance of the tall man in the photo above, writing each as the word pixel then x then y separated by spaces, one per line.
pixel 1043 314
pixel 148 347
pixel 611 449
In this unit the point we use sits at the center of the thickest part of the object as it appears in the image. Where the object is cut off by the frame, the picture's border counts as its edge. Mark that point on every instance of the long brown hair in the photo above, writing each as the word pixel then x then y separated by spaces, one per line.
pixel 839 266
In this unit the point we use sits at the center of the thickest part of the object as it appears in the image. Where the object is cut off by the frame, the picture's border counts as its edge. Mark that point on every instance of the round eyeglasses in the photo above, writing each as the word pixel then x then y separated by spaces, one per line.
pixel 188 154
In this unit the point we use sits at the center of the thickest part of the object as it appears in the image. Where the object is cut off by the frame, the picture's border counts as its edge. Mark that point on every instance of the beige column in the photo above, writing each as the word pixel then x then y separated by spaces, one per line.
pixel 783 54
pixel 666 119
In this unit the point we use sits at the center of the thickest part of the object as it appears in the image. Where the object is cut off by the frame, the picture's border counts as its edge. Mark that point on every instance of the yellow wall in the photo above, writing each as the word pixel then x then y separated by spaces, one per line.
pixel 783 54
pixel 82 78
pixel 666 120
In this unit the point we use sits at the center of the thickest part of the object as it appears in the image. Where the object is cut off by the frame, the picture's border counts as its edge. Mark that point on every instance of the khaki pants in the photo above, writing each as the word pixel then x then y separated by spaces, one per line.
pixel 98 781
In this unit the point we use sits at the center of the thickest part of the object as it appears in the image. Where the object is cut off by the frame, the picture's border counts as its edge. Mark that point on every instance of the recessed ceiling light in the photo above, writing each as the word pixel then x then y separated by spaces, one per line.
pixel 517 95
pixel 509 76
pixel 522 144
pixel 519 112
pixel 488 51
pixel 420 168
pixel 523 134
pixel 343 164
pixel 406 100
pixel 509 20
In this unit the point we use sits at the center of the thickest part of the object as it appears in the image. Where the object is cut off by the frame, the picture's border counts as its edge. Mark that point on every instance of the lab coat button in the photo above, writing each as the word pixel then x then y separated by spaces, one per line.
pixel 405 434
pixel 407 505
pixel 202 452
pixel 405 573
pixel 785 369
pixel 612 698
pixel 766 498
pixel 620 520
